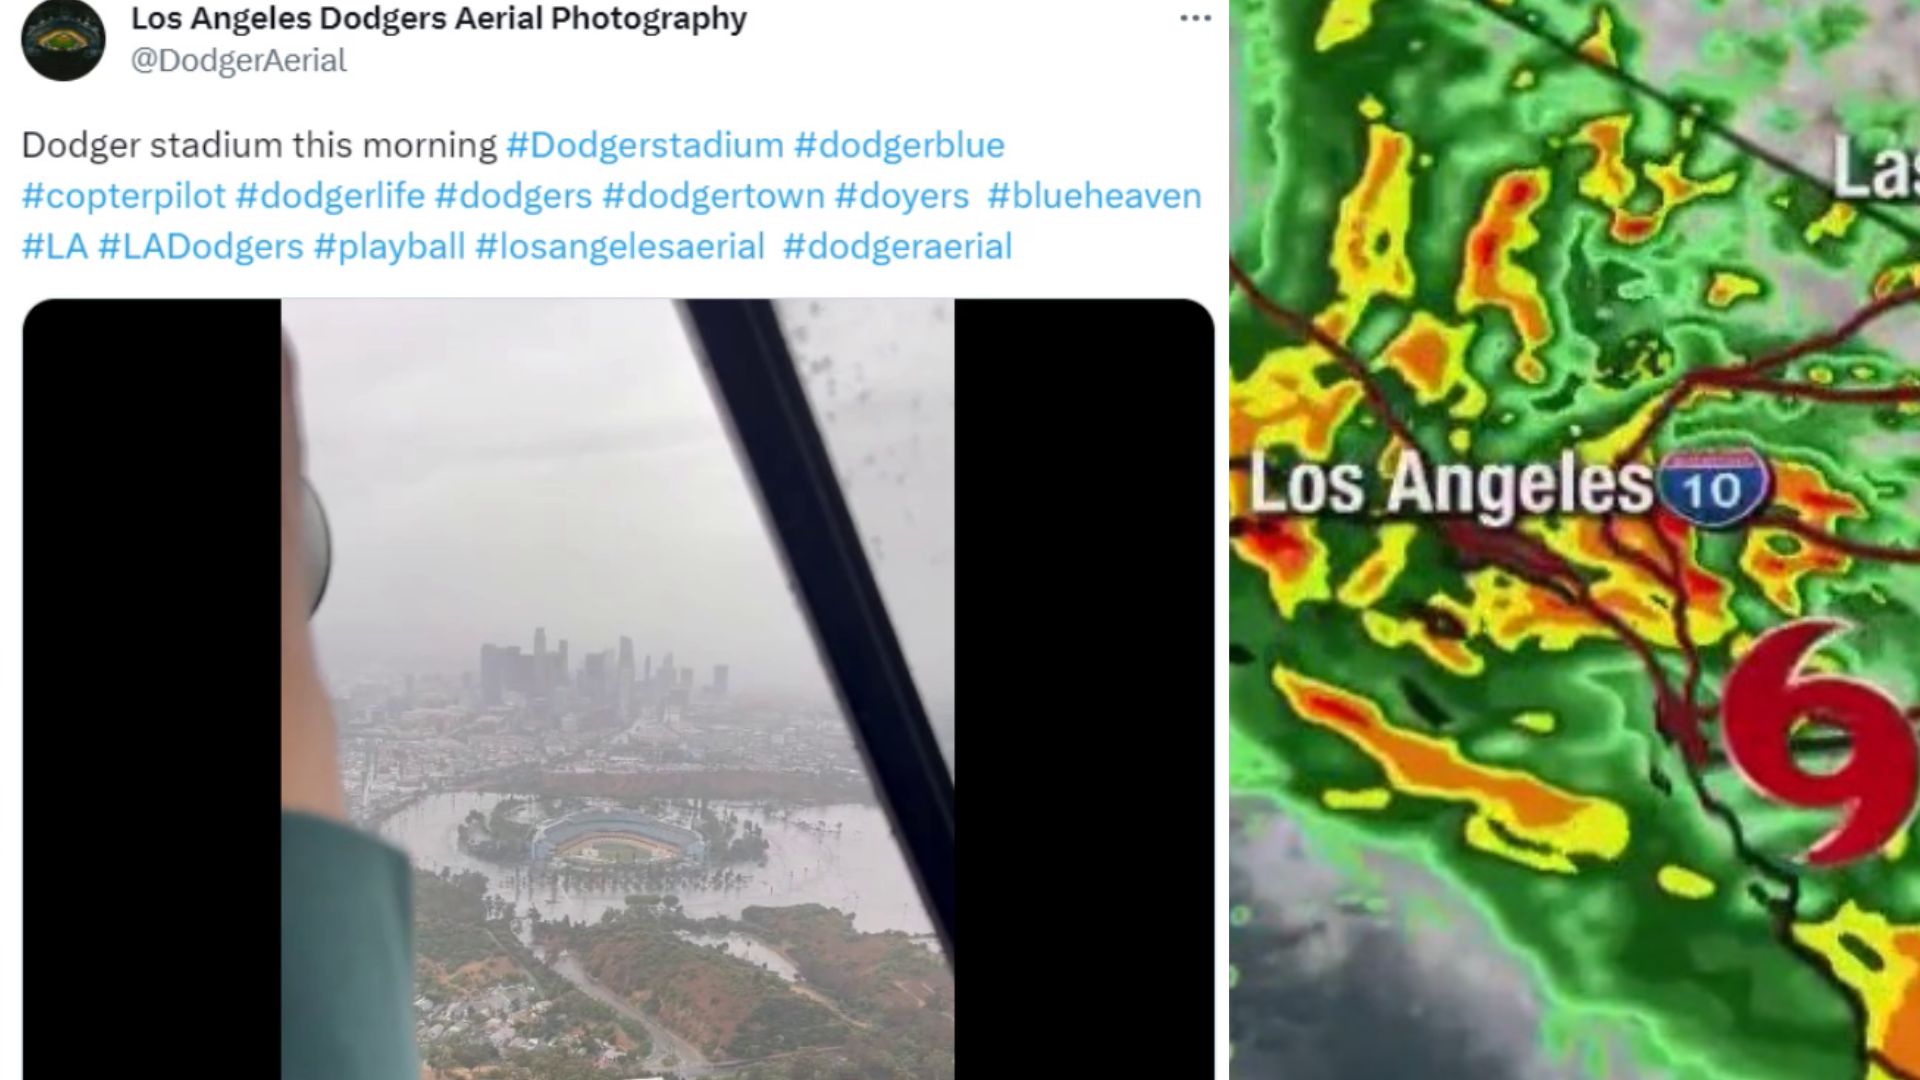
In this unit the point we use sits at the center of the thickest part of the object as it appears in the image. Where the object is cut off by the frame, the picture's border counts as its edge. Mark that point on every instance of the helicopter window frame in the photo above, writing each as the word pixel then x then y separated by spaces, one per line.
pixel 749 364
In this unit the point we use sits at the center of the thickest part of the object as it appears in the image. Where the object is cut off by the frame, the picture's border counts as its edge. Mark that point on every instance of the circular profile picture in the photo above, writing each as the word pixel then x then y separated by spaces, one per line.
pixel 63 39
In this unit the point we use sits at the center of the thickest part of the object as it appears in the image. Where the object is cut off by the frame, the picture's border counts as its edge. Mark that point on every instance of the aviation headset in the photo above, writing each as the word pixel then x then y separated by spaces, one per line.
pixel 318 556
pixel 316 563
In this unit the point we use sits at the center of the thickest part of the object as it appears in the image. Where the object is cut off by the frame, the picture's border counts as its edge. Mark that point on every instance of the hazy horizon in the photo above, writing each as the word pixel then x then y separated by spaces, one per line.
pixel 489 467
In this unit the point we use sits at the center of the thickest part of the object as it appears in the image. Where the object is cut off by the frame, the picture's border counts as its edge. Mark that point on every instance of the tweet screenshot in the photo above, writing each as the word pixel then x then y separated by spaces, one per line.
pixel 621 502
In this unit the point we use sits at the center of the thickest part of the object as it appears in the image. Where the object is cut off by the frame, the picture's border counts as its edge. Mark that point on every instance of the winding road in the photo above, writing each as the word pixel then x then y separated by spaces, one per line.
pixel 691 1061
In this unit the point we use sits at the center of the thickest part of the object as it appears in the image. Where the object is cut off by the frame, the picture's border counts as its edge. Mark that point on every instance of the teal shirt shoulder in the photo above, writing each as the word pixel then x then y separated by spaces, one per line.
pixel 346 955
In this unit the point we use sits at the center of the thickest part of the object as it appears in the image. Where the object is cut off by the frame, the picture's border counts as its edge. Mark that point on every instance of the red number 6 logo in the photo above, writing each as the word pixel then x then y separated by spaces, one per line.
pixel 1766 696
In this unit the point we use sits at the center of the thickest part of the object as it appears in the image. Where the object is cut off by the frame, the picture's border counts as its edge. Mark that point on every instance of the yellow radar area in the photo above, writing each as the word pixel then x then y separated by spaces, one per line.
pixel 1516 816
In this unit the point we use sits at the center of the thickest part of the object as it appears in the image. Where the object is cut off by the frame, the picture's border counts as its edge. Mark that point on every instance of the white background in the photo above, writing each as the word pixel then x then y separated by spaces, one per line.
pixel 1120 92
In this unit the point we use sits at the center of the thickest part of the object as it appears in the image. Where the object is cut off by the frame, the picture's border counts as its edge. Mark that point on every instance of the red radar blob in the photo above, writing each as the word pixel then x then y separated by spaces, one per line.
pixel 1766 696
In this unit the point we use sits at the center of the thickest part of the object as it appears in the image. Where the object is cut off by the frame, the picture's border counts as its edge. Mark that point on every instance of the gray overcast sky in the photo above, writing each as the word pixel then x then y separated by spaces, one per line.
pixel 492 466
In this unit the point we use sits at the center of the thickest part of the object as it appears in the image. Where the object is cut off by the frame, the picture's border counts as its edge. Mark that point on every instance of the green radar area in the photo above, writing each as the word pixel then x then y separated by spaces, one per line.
pixel 1574 463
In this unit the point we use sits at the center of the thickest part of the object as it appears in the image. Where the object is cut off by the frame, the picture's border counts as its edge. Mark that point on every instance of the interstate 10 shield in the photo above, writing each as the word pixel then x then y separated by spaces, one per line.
pixel 1714 489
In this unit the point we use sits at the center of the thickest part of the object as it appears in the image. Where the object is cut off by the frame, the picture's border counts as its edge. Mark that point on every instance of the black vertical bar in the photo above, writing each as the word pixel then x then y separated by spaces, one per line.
pixel 772 423
pixel 150 599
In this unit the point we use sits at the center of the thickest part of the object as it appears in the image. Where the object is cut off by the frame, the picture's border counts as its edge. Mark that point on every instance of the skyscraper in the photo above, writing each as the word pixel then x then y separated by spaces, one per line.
pixel 719 678
pixel 593 676
pixel 492 674
pixel 519 670
pixel 623 680
pixel 539 660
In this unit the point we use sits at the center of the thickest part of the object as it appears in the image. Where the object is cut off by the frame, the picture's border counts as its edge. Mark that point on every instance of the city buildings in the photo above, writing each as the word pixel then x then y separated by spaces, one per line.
pixel 614 687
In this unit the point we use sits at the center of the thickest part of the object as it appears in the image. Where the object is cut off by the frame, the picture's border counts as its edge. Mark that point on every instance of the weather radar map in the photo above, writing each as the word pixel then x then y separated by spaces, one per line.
pixel 1575 540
